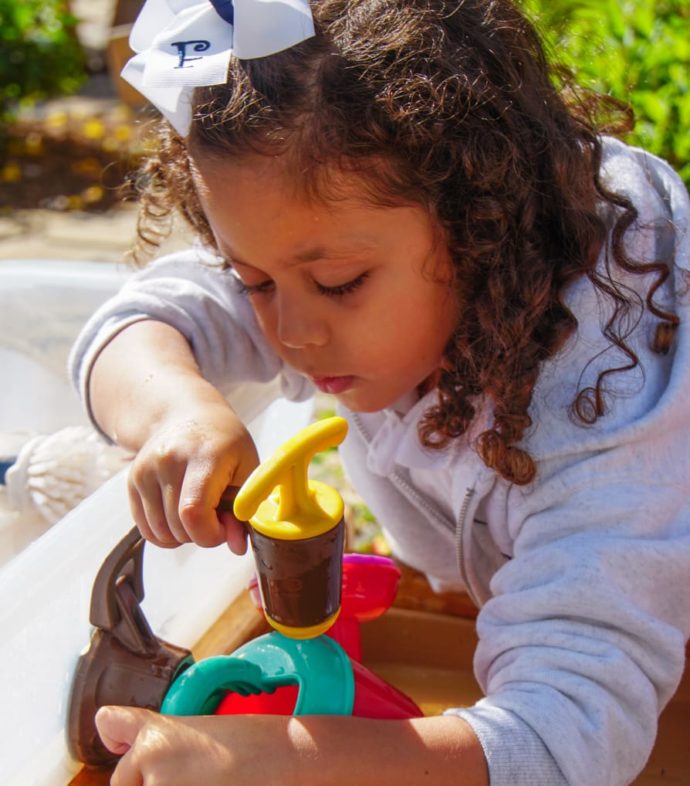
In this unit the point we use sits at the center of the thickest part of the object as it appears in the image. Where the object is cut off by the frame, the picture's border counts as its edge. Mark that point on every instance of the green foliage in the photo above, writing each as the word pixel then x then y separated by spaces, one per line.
pixel 40 55
pixel 637 51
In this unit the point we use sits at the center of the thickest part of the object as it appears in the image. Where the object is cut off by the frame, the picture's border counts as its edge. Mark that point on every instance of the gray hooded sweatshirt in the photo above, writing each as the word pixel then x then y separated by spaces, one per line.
pixel 581 576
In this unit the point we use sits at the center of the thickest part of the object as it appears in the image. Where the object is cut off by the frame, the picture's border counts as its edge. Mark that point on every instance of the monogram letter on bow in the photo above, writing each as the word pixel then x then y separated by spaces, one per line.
pixel 198 46
pixel 184 44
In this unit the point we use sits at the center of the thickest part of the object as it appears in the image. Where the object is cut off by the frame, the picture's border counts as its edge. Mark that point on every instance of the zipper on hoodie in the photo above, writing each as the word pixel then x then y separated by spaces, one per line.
pixel 406 489
pixel 418 500
pixel 459 546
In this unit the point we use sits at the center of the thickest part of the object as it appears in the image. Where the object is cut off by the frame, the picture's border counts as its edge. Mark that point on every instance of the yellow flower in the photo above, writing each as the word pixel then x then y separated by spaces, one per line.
pixel 74 202
pixel 92 194
pixel 123 133
pixel 11 173
pixel 33 144
pixel 93 129
pixel 57 121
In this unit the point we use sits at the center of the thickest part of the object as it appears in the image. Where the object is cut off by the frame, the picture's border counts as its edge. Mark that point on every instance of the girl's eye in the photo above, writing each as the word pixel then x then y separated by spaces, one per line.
pixel 343 289
pixel 265 287
pixel 254 289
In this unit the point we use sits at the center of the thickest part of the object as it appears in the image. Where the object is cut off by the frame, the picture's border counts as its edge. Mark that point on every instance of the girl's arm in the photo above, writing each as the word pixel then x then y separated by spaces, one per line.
pixel 146 392
pixel 142 377
pixel 340 751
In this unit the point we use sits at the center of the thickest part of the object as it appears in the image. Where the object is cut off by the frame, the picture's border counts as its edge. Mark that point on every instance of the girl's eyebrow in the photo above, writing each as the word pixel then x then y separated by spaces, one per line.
pixel 313 253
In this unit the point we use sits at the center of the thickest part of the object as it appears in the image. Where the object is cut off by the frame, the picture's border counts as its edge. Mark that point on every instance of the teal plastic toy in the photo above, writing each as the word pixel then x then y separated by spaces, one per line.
pixel 319 668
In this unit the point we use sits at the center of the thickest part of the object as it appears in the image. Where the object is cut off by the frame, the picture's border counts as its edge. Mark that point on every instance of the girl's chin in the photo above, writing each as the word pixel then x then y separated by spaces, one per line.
pixel 358 399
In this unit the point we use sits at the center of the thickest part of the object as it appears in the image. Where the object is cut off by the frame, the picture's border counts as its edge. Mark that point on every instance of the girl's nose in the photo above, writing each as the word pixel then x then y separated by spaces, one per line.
pixel 299 327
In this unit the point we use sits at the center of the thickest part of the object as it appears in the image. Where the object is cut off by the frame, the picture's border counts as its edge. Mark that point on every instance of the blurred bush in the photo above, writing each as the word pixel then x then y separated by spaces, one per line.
pixel 40 55
pixel 635 50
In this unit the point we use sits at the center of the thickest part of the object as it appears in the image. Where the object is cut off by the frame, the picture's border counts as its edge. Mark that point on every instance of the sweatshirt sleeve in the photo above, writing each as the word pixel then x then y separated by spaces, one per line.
pixel 582 642
pixel 190 292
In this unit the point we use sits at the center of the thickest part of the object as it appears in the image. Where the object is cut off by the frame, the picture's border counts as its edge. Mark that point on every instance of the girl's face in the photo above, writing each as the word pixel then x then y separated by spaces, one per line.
pixel 354 296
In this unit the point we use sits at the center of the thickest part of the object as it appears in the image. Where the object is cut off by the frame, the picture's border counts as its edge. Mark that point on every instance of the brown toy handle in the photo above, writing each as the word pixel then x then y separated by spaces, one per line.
pixel 125 662
pixel 117 592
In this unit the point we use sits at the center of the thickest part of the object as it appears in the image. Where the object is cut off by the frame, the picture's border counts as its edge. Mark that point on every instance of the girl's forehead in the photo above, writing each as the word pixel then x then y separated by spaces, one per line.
pixel 326 185
pixel 256 213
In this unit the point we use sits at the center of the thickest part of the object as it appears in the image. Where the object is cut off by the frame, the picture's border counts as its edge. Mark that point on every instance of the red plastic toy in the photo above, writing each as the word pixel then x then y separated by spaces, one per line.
pixel 368 590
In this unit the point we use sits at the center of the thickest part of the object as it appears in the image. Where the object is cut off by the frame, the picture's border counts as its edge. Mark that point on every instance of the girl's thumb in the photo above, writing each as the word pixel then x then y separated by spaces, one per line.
pixel 118 727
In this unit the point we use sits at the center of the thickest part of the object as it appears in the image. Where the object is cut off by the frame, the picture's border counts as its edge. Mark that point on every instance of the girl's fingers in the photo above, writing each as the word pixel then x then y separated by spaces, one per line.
pixel 146 505
pixel 127 773
pixel 118 727
pixel 197 508
pixel 137 510
pixel 235 532
pixel 170 495
pixel 155 516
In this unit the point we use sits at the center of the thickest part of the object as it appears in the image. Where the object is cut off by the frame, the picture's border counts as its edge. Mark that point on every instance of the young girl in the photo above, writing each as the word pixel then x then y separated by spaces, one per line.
pixel 394 205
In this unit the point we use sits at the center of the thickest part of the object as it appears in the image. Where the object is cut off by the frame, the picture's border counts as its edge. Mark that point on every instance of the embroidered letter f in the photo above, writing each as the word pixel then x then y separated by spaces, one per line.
pixel 197 46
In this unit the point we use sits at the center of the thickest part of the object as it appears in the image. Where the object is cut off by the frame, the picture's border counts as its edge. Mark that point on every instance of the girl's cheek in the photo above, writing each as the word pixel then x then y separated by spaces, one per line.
pixel 269 327
pixel 264 317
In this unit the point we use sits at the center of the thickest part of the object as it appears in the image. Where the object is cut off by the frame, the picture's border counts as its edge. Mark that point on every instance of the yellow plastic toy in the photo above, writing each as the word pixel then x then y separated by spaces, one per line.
pixel 297 533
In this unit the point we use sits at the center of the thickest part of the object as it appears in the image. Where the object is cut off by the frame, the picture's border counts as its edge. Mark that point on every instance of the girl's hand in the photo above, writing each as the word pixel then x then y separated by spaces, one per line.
pixel 208 750
pixel 147 393
pixel 181 472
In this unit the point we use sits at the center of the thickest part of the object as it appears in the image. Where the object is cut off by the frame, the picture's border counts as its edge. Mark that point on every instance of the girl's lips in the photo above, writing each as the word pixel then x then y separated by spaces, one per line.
pixel 333 385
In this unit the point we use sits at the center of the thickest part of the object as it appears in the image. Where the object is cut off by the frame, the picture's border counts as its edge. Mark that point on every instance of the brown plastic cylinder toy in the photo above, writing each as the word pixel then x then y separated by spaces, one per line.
pixel 297 534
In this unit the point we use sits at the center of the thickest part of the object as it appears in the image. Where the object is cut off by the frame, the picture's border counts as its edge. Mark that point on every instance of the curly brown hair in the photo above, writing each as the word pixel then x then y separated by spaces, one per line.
pixel 453 106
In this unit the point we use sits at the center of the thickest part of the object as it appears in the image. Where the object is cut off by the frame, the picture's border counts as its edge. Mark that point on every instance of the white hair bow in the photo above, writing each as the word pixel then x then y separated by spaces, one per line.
pixel 183 44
